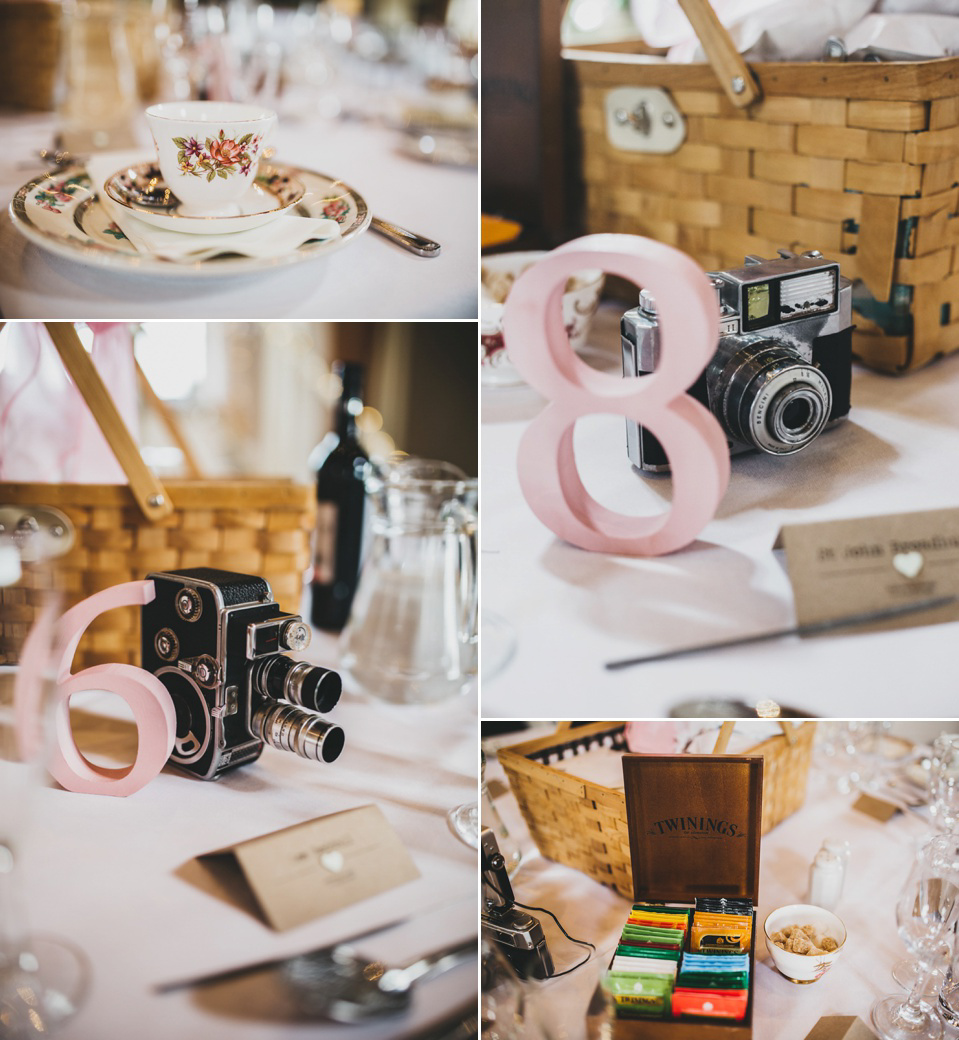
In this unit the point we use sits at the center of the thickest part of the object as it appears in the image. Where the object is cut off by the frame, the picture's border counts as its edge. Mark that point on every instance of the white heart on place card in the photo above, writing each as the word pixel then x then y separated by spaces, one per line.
pixel 333 861
pixel 909 564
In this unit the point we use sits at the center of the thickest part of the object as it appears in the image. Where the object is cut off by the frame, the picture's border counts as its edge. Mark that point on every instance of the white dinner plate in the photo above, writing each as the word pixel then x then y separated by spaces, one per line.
pixel 62 213
pixel 268 198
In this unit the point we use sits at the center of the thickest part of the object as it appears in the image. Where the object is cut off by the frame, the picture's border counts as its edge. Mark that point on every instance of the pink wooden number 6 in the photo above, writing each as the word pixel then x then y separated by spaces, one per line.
pixel 694 441
pixel 147 697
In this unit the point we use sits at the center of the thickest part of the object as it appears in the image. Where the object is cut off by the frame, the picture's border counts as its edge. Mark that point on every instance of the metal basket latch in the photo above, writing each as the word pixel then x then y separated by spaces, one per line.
pixel 643 119
pixel 39 532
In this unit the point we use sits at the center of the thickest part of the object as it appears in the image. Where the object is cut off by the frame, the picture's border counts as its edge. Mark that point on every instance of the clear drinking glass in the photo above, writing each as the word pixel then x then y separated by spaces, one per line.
pixel 948 1003
pixel 908 970
pixel 465 821
pixel 944 781
pixel 925 914
pixel 412 633
pixel 504 1011
pixel 43 979
pixel 96 92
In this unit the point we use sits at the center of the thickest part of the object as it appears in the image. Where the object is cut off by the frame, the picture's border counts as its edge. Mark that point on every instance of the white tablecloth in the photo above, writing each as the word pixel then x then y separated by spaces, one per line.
pixel 881 857
pixel 570 611
pixel 119 878
pixel 369 278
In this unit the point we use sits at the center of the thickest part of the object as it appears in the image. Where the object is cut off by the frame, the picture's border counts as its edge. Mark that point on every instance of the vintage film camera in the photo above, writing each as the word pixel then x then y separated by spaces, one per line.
pixel 518 934
pixel 783 368
pixel 215 640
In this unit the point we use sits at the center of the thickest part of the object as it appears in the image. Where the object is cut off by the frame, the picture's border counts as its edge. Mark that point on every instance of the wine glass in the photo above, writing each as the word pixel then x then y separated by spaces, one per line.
pixel 924 914
pixel 949 993
pixel 465 821
pixel 43 979
pixel 944 781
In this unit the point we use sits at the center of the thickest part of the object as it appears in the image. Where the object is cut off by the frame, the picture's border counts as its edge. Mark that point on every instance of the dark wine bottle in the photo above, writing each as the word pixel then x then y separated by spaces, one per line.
pixel 341 465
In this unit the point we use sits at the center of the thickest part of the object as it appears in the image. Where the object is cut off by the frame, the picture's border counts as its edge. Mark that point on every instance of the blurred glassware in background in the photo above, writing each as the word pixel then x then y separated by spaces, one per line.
pixel 96 94
pixel 925 915
pixel 412 634
pixel 851 754
pixel 949 994
pixel 43 979
pixel 490 817
pixel 944 781
pixel 466 820
pixel 503 1008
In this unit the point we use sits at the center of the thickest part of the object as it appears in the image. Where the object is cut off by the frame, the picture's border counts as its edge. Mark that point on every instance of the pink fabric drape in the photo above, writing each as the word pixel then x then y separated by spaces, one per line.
pixel 47 434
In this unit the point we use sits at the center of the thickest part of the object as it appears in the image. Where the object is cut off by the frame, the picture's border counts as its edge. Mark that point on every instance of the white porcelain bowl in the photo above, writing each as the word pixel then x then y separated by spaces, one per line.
pixel 798 967
pixel 208 151
pixel 579 306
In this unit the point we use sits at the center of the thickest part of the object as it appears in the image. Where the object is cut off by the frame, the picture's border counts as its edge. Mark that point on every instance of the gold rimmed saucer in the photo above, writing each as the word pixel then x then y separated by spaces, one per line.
pixel 141 191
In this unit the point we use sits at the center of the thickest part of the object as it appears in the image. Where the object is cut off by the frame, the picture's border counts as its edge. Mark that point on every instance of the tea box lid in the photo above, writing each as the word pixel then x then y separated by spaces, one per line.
pixel 694 825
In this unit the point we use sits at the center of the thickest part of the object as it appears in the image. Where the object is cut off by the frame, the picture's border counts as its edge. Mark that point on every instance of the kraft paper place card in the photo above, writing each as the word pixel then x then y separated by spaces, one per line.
pixel 311 869
pixel 840 1027
pixel 848 567
pixel 878 808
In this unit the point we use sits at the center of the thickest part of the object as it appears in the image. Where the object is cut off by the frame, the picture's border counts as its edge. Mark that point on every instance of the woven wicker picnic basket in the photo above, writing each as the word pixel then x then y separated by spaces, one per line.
pixel 859 160
pixel 583 824
pixel 122 532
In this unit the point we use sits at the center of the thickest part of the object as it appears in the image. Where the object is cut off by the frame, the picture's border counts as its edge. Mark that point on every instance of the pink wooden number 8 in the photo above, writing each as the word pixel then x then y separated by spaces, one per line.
pixel 539 347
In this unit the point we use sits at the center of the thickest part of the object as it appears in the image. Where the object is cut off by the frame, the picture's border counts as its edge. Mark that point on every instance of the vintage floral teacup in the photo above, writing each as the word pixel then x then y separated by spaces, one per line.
pixel 208 151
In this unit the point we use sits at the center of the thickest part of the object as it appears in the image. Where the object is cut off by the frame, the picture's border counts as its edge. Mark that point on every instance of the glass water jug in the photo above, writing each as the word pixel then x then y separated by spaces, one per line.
pixel 412 633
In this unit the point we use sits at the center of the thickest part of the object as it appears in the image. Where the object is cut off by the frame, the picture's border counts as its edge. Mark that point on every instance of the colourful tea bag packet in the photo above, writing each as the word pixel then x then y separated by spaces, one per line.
pixel 718 932
pixel 648 952
pixel 644 966
pixel 713 980
pixel 731 1004
pixel 666 937
pixel 716 962
pixel 647 996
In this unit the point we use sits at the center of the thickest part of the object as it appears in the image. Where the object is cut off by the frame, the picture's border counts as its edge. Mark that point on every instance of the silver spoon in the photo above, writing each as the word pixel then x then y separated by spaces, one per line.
pixel 341 985
pixel 407 239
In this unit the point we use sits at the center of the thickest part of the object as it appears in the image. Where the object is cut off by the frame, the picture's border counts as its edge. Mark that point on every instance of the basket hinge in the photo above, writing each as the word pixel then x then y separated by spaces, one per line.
pixel 643 119
pixel 39 532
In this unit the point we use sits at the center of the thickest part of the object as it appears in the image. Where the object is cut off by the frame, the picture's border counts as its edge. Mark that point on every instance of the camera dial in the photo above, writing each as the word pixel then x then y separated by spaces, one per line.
pixel 188 604
pixel 296 635
pixel 167 645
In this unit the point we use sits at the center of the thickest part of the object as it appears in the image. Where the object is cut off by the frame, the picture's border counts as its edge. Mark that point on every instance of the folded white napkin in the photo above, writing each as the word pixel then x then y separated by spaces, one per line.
pixel 277 238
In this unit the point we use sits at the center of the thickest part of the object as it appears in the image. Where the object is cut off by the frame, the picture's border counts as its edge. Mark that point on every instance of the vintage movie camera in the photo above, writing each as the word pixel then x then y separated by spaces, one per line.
pixel 216 641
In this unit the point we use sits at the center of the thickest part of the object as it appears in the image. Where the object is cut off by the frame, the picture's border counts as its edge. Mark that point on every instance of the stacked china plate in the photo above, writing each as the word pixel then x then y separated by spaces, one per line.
pixel 211 203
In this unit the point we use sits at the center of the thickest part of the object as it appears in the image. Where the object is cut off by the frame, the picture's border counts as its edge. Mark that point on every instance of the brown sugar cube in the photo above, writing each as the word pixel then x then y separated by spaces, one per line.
pixel 829 945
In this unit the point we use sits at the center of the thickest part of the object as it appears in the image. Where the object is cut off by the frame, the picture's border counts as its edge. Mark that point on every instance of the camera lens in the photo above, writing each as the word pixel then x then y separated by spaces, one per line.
pixel 770 397
pixel 796 414
pixel 289 728
pixel 281 678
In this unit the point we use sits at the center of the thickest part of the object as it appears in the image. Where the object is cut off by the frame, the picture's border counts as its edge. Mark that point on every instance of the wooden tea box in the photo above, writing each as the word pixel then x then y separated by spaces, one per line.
pixel 694 826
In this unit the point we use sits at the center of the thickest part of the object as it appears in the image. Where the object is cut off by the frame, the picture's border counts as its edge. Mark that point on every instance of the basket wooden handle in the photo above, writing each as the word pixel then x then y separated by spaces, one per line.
pixel 726 731
pixel 733 73
pixel 150 494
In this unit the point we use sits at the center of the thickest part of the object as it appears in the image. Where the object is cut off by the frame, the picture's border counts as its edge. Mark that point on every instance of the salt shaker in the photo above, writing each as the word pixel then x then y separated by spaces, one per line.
pixel 826 875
